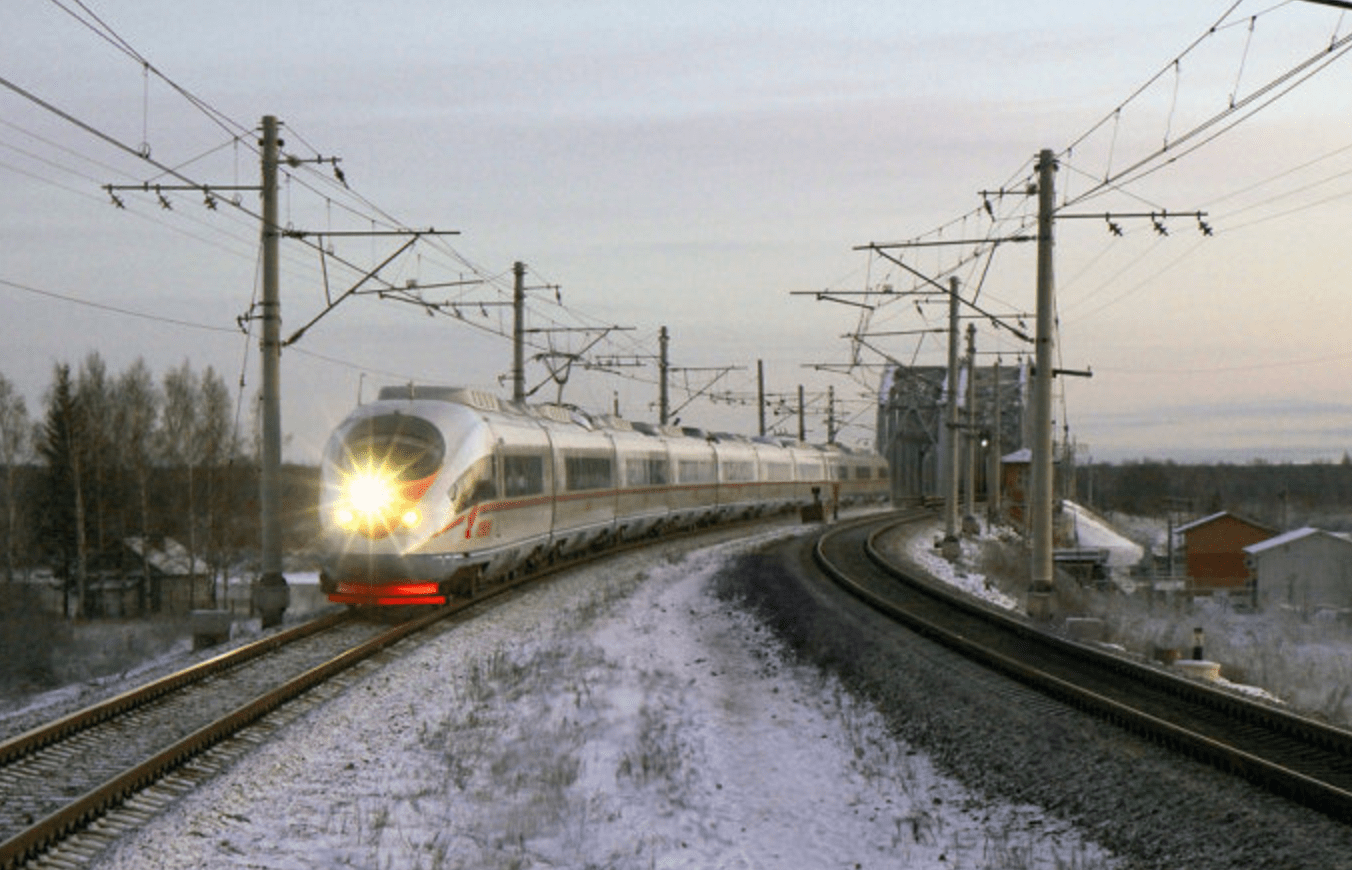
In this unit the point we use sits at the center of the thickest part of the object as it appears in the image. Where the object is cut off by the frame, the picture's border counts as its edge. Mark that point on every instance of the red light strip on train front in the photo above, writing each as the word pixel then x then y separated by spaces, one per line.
pixel 388 593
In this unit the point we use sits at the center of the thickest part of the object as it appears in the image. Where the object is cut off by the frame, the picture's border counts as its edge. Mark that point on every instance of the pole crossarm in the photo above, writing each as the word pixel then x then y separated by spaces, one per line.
pixel 994 319
pixel 881 246
pixel 602 329
pixel 834 296
pixel 334 234
pixel 893 333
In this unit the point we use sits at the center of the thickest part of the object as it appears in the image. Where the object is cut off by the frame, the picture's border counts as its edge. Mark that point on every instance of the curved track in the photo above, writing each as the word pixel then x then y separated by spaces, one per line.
pixel 61 778
pixel 1297 757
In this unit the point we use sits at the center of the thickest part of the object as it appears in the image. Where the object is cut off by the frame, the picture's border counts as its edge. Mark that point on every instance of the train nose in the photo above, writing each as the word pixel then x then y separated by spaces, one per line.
pixel 375 504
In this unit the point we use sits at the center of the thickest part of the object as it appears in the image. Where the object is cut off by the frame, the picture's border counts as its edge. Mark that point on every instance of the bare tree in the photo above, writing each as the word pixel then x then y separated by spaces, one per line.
pixel 181 449
pixel 137 403
pixel 15 429
pixel 215 437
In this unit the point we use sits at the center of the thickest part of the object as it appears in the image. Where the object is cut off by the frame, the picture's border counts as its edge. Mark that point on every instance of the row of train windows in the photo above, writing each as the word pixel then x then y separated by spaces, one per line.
pixel 525 475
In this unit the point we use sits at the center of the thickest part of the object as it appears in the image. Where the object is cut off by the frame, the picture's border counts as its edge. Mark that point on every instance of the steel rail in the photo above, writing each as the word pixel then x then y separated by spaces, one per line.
pixel 89 806
pixel 1326 797
pixel 83 810
pixel 44 735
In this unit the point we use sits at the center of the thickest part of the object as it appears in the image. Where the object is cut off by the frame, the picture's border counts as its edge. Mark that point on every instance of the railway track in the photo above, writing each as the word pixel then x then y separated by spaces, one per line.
pixel 72 786
pixel 1299 758
pixel 60 777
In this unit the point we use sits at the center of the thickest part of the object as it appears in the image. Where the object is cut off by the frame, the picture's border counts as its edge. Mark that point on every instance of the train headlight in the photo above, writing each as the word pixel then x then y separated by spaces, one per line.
pixel 370 493
pixel 410 518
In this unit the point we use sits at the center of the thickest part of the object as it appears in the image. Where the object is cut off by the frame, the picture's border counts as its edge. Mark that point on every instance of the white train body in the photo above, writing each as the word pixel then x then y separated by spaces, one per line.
pixel 429 491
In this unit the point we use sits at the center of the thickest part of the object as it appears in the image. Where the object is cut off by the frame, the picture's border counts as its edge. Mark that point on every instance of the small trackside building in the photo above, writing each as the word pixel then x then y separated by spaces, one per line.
pixel 1305 570
pixel 1214 551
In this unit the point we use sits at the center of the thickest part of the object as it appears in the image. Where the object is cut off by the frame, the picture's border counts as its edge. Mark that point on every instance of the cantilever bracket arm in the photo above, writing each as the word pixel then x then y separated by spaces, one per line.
pixel 296 336
pixel 999 324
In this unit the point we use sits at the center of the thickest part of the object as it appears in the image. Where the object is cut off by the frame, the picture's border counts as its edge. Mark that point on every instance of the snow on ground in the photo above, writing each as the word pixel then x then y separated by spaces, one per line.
pixel 921 550
pixel 618 717
pixel 1093 532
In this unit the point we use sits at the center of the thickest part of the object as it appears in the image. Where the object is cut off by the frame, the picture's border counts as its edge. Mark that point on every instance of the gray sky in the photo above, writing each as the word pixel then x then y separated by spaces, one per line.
pixel 690 165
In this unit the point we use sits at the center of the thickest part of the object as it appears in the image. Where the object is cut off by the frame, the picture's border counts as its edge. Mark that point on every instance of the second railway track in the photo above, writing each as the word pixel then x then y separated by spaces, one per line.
pixel 1291 755
pixel 59 779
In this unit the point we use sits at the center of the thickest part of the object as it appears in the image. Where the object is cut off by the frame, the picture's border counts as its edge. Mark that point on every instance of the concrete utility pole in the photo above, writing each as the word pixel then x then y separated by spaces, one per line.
pixel 760 393
pixel 1040 514
pixel 951 548
pixel 971 439
pixel 802 415
pixel 662 367
pixel 993 506
pixel 519 333
pixel 831 415
pixel 271 594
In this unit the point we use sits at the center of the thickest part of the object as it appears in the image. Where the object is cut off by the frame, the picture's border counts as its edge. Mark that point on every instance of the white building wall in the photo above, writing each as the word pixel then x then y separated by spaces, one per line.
pixel 1307 574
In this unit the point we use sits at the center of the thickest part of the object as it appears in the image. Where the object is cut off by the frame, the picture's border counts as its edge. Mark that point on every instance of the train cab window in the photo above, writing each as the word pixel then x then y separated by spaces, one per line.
pixel 477 485
pixel 523 475
pixel 840 472
pixel 587 472
pixel 862 472
pixel 409 448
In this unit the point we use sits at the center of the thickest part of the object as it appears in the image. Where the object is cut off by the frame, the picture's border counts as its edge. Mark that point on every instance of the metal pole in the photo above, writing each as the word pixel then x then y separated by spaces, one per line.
pixel 662 403
pixel 951 548
pixel 994 508
pixel 970 438
pixel 271 594
pixel 831 415
pixel 519 333
pixel 1040 524
pixel 802 415
pixel 760 393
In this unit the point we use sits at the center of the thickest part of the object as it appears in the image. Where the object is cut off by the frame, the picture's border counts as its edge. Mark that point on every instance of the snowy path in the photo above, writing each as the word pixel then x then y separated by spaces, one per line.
pixel 620 717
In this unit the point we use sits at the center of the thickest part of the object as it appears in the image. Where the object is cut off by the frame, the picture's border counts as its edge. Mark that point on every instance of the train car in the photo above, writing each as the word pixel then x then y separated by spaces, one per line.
pixel 429 492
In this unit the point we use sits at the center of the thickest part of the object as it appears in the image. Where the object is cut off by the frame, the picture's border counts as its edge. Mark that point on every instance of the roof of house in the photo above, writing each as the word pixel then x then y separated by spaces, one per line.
pixel 171 558
pixel 1216 516
pixel 1292 537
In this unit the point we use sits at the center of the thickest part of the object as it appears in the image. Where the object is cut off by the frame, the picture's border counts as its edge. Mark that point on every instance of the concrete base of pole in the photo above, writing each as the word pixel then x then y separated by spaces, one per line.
pixel 1040 601
pixel 951 548
pixel 271 596
pixel 209 627
pixel 1202 669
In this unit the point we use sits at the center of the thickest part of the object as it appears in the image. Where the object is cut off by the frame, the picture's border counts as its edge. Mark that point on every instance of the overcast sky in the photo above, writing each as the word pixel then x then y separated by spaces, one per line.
pixel 691 165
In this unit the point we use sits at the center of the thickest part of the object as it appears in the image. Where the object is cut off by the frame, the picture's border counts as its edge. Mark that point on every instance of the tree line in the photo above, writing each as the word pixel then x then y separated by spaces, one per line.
pixel 1283 495
pixel 116 458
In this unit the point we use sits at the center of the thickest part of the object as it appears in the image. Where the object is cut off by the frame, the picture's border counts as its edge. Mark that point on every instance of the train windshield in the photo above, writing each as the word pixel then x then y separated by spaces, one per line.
pixel 397 446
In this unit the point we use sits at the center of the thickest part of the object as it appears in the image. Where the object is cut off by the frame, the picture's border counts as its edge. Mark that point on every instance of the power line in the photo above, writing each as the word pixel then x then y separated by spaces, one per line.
pixel 113 309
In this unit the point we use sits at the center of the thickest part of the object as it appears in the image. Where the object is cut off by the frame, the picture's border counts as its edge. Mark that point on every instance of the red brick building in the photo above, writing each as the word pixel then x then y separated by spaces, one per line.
pixel 1214 549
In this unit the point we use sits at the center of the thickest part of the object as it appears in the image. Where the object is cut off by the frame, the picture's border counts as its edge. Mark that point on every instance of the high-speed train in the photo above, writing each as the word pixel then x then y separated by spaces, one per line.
pixel 429 492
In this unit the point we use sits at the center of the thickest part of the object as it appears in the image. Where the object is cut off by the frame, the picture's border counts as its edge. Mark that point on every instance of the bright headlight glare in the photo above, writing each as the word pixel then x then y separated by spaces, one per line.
pixel 410 518
pixel 345 518
pixel 369 493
